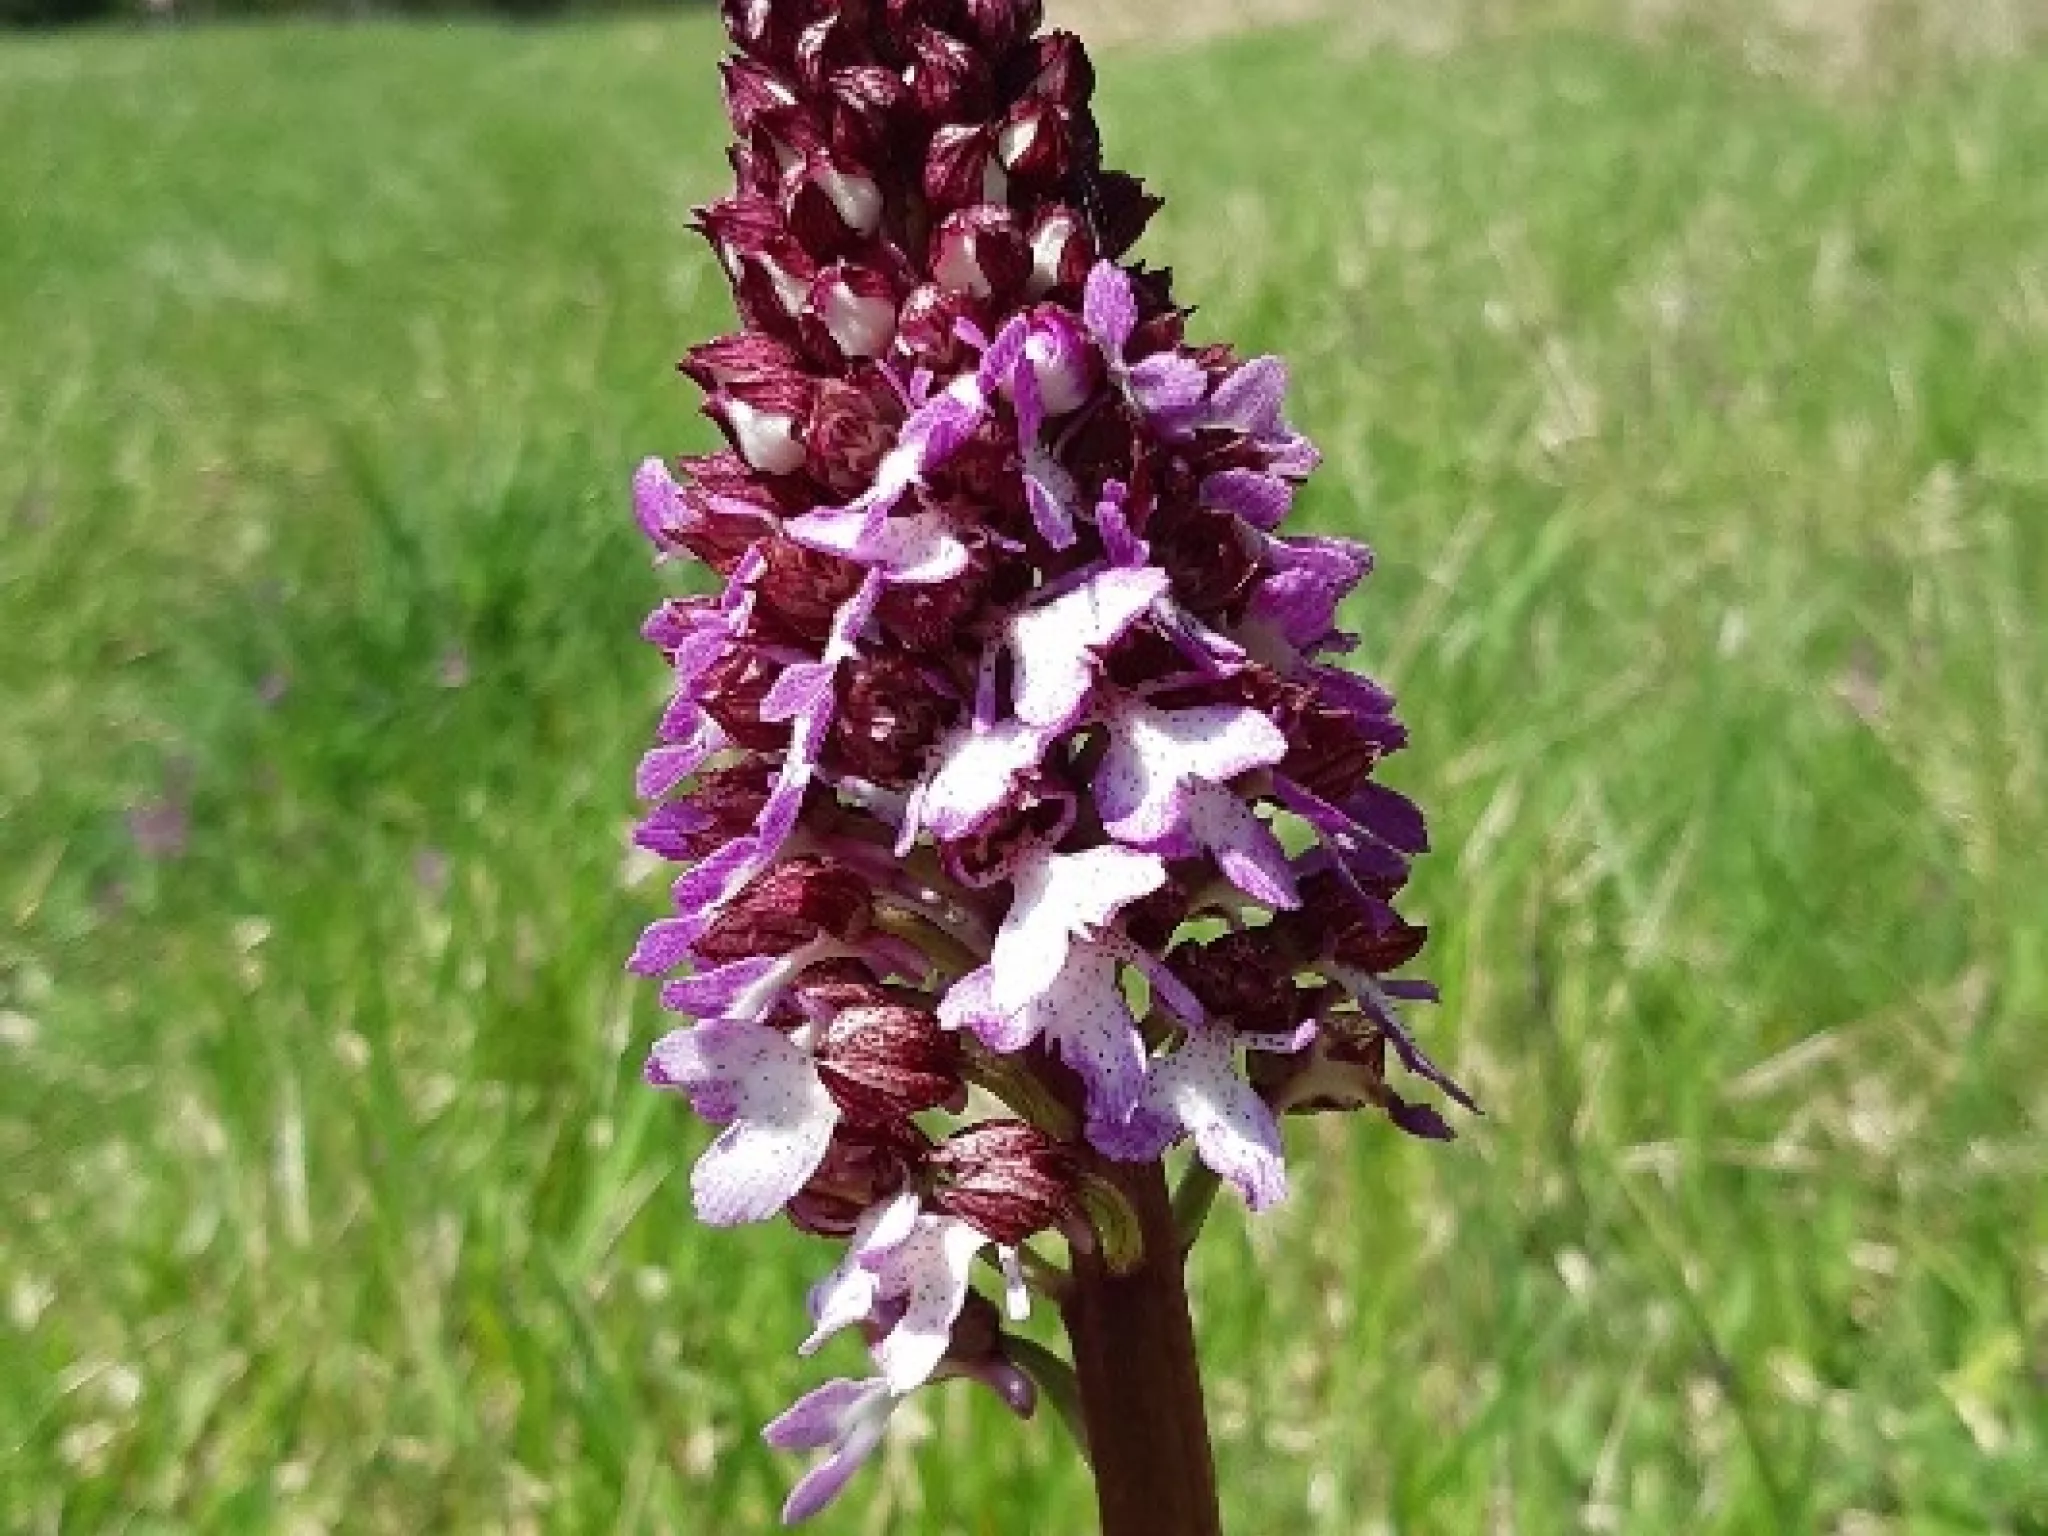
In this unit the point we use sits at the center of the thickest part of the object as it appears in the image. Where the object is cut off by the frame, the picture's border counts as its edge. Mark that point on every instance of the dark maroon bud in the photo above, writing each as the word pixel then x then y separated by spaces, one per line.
pixel 765 420
pixel 748 358
pixel 770 272
pixel 1152 920
pixel 851 427
pixel 856 307
pixel 1008 1179
pixel 1062 251
pixel 724 804
pixel 830 44
pixel 831 985
pixel 928 328
pixel 864 1165
pixel 756 97
pixel 1056 69
pixel 830 206
pixel 766 30
pixel 963 170
pixel 935 616
pixel 888 1063
pixel 997 26
pixel 1035 143
pixel 890 714
pixel 718 530
pixel 1200 549
pixel 948 81
pixel 1327 752
pixel 801 589
pixel 866 108
pixel 981 251
pixel 1123 209
pixel 732 690
pixel 1241 977
pixel 785 908
pixel 726 477
pixel 1040 810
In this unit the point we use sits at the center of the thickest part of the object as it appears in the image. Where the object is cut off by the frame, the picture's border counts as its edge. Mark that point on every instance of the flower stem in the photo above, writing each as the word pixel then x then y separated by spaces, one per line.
pixel 1141 1388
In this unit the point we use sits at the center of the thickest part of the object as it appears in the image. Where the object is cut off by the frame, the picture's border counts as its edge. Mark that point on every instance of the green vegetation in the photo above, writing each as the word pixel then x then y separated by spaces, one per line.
pixel 1702 420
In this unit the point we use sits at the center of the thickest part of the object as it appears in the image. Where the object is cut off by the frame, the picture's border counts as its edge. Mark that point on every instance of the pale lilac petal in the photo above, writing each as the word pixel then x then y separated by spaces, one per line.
pixel 1109 308
pixel 930 1273
pixel 801 688
pixel 665 767
pixel 1261 500
pixel 1251 398
pixel 817 1488
pixel 1055 644
pixel 849 1416
pixel 1057 898
pixel 974 772
pixel 1112 520
pixel 663 946
pixel 969 1004
pixel 657 500
pixel 1234 1132
pixel 719 993
pixel 818 1418
pixel 1243 846
pixel 1051 496
pixel 1169 389
pixel 914 550
pixel 781 1124
pixel 1153 755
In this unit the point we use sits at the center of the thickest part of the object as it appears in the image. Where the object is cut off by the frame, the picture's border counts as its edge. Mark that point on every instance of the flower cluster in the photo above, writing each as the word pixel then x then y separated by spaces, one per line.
pixel 1010 756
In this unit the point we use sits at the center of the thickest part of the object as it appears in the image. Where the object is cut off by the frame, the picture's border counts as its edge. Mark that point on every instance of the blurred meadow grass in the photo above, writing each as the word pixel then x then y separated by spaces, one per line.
pixel 1701 418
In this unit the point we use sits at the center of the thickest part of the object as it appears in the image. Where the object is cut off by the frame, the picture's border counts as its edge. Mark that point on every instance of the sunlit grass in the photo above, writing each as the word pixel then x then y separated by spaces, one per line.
pixel 1702 424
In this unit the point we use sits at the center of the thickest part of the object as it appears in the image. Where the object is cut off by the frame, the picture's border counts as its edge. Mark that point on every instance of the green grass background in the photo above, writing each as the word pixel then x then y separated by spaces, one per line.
pixel 1701 418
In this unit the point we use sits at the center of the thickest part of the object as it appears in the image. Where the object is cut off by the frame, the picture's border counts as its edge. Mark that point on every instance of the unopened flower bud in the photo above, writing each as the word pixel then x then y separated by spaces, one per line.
pixel 733 688
pixel 747 358
pixel 889 717
pixel 864 1165
pixel 830 207
pixel 997 26
pixel 963 169
pixel 755 96
pixel 981 252
pixel 1034 143
pixel 849 431
pixel 886 1063
pixel 1058 70
pixel 857 307
pixel 928 328
pixel 1061 251
pixel 948 82
pixel 764 421
pixel 785 908
pixel 1063 361
pixel 1007 1178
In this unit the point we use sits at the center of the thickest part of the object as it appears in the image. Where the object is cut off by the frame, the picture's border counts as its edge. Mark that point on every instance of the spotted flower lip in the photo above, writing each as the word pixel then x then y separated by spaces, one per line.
pixel 1011 753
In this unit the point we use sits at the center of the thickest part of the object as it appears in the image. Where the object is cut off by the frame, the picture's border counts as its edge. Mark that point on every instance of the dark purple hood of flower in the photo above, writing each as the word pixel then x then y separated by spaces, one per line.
pixel 1015 692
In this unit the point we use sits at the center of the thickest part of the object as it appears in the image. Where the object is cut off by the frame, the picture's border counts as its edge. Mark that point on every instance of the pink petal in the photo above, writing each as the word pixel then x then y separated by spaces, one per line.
pixel 974 773
pixel 1243 847
pixel 1109 308
pixel 930 1274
